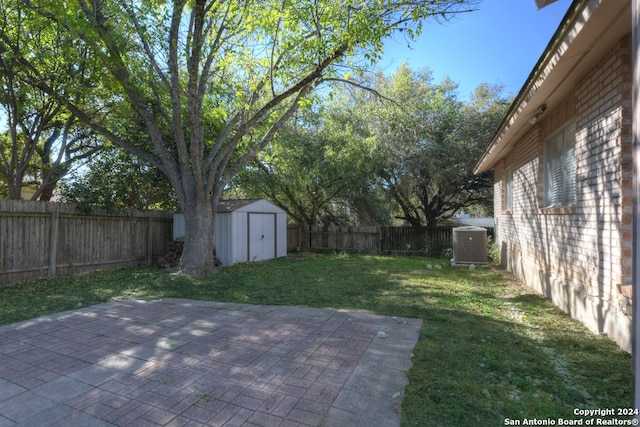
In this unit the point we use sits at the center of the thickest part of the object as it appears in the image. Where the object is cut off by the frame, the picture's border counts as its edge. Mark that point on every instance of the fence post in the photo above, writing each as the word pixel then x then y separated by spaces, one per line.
pixel 150 241
pixel 303 238
pixel 335 237
pixel 53 242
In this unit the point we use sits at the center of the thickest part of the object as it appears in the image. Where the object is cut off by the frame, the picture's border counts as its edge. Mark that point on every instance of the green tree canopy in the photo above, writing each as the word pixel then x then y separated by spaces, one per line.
pixel 210 82
pixel 116 179
pixel 429 141
pixel 405 146
pixel 39 138
pixel 315 162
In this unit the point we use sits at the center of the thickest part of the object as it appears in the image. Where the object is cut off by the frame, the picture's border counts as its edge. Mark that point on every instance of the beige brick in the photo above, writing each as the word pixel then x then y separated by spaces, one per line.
pixel 593 239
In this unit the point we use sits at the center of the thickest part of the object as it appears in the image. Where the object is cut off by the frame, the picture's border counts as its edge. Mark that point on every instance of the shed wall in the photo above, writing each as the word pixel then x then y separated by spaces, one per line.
pixel 239 242
pixel 231 231
pixel 222 237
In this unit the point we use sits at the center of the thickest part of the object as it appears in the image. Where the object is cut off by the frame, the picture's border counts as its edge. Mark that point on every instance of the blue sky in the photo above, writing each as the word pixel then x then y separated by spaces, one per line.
pixel 499 43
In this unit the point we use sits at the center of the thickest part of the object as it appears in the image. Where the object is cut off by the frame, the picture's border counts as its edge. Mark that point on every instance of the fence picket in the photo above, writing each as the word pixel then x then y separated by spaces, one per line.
pixel 39 239
pixel 408 241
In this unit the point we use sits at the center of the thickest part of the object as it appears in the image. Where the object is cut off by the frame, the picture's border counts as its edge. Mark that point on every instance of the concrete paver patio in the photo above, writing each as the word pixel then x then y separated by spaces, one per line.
pixel 176 362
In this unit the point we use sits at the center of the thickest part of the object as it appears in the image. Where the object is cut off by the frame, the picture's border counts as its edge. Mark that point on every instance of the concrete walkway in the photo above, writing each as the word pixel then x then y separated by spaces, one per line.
pixel 176 362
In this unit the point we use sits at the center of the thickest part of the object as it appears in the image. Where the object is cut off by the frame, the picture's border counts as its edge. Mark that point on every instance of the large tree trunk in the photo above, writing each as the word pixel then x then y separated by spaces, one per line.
pixel 197 255
pixel 15 188
pixel 47 192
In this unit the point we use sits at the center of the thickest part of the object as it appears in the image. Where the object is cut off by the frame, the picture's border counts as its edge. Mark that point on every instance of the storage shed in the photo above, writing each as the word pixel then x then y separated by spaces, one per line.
pixel 245 230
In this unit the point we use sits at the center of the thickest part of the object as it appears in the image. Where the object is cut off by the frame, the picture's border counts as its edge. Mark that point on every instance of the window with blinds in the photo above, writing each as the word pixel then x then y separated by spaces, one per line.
pixel 560 168
pixel 508 189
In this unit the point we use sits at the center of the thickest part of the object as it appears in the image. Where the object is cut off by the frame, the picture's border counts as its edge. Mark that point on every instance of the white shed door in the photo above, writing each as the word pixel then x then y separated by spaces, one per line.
pixel 262 236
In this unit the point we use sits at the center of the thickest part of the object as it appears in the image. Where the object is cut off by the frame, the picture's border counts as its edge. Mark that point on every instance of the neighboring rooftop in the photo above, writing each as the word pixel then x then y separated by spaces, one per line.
pixel 486 222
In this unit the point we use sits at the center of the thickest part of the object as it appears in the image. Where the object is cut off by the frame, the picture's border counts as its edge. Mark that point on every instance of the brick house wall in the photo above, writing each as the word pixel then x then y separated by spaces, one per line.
pixel 578 257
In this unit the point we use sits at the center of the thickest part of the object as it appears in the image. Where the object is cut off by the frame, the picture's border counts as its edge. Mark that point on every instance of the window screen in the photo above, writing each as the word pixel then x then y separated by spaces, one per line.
pixel 508 189
pixel 560 168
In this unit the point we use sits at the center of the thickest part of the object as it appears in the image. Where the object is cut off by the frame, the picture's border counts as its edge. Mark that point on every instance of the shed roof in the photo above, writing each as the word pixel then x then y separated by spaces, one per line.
pixel 587 31
pixel 248 205
pixel 231 205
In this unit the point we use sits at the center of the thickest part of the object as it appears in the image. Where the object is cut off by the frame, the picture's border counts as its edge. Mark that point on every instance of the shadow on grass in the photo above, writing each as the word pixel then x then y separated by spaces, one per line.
pixel 469 369
pixel 473 365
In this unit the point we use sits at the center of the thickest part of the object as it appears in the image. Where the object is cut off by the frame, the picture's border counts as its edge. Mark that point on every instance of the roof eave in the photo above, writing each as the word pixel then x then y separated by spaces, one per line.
pixel 555 69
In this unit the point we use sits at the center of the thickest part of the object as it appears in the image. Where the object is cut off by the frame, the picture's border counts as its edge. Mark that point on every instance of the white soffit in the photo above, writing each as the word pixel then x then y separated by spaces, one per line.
pixel 587 35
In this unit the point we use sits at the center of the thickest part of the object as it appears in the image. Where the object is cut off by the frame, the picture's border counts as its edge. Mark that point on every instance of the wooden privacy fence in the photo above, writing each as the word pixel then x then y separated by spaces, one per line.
pixel 416 241
pixel 411 241
pixel 40 239
pixel 345 239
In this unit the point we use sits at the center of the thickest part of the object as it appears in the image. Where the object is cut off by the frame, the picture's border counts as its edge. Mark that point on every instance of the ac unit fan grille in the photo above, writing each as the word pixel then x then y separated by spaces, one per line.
pixel 470 245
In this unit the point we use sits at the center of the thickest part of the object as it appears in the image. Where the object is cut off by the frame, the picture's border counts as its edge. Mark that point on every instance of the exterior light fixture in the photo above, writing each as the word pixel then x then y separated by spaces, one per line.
pixel 541 109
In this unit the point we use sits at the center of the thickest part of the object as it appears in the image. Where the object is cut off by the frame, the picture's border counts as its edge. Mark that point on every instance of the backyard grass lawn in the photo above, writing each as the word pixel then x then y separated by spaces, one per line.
pixel 489 350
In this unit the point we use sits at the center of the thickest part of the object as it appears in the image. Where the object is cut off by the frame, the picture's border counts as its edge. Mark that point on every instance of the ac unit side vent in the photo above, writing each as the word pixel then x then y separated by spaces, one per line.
pixel 470 245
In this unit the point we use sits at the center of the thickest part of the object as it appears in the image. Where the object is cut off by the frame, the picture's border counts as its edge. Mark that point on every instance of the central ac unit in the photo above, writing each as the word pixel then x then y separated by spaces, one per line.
pixel 469 245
